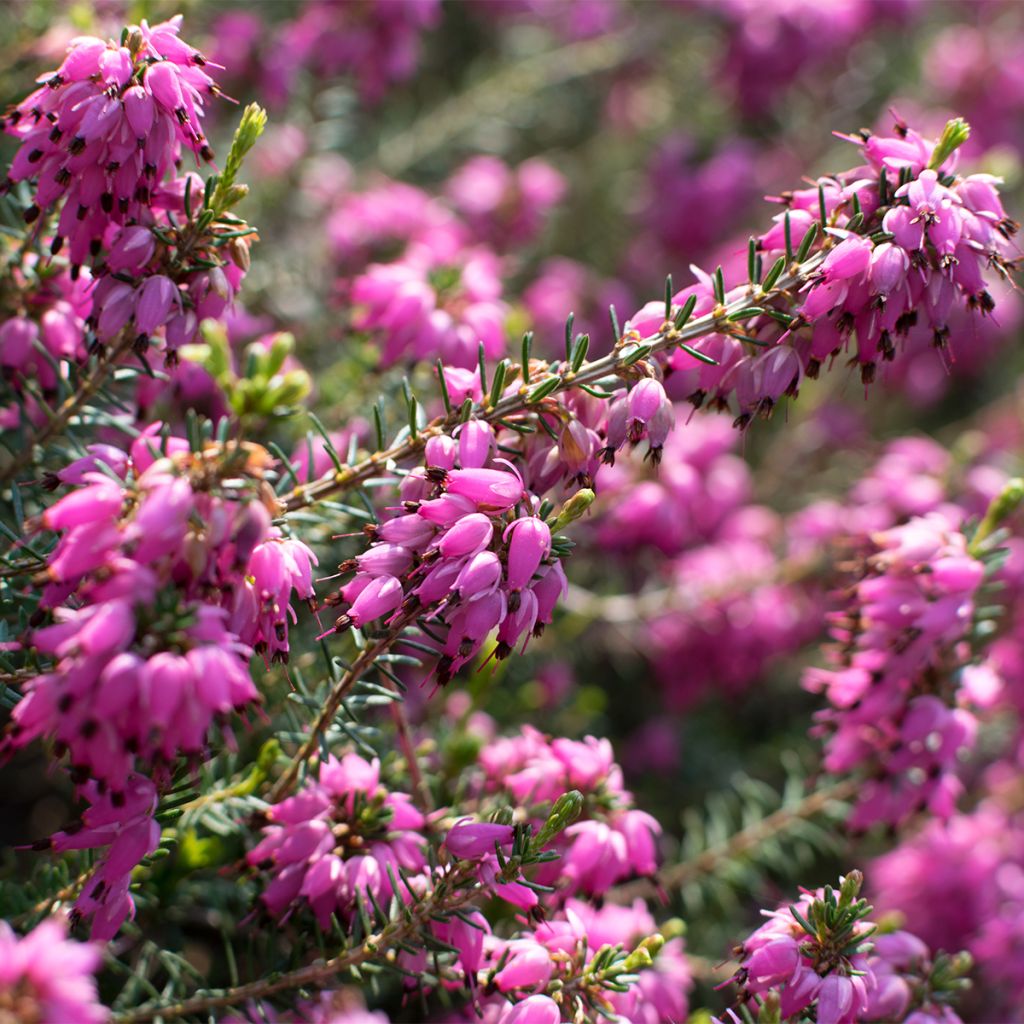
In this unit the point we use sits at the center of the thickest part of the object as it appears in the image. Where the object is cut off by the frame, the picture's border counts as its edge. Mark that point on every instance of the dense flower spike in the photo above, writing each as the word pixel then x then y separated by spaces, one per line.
pixel 897 637
pixel 817 954
pixel 375 44
pixel 611 842
pixel 433 305
pixel 721 609
pixel 48 977
pixel 142 670
pixel 904 243
pixel 505 206
pixel 957 881
pixel 104 129
pixel 338 843
pixel 613 959
pixel 49 328
pixel 120 821
pixel 463 552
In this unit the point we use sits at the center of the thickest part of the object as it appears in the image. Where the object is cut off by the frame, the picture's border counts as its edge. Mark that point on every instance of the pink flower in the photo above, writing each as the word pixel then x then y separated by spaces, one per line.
pixel 527 965
pixel 45 976
pixel 433 305
pixel 468 840
pixel 532 1010
pixel 80 132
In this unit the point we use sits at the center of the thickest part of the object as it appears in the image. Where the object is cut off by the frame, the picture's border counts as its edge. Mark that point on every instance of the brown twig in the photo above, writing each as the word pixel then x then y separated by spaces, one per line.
pixel 444 899
pixel 70 406
pixel 676 876
pixel 590 373
pixel 362 664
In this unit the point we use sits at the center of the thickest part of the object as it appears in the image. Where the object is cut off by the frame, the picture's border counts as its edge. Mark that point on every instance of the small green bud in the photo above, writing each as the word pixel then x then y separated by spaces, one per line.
pixel 293 387
pixel 962 962
pixel 850 888
pixel 564 811
pixel 575 507
pixel 280 348
pixel 639 960
pixel 644 954
pixel 218 357
pixel 502 816
pixel 954 135
pixel 268 755
pixel 1009 499
pixel 770 1009
pixel 1000 508
pixel 250 128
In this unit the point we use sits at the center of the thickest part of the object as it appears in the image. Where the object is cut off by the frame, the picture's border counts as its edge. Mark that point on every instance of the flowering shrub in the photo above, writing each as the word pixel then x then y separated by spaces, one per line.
pixel 394 629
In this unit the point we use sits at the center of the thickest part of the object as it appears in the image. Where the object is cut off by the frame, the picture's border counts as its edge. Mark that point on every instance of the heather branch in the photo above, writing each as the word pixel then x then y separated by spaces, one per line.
pixel 562 379
pixel 676 876
pixel 447 897
pixel 341 688
pixel 71 406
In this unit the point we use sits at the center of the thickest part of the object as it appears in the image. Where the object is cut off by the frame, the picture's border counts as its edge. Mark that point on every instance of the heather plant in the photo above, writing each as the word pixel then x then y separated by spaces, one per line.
pixel 464 551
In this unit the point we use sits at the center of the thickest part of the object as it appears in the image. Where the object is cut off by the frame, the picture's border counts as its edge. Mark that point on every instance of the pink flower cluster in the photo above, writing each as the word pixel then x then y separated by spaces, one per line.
pixel 338 1006
pixel 138 290
pixel 720 608
pixel 463 551
pixel 119 821
pixel 338 842
pixel 142 669
pixel 441 295
pixel 830 966
pixel 104 128
pixel 959 882
pixel 480 841
pixel 613 840
pixel 367 224
pixel 691 205
pixel 505 207
pixel 53 309
pixel 941 235
pixel 520 971
pixel 161 585
pixel 44 976
pixel 375 44
pixel 903 626
pixel 433 304
pixel 768 47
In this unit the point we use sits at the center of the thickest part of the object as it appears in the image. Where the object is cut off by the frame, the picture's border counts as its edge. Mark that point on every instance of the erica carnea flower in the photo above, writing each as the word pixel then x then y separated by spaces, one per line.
pixel 505 206
pixel 160 589
pixel 822 956
pixel 45 976
pixel 339 842
pixel 464 550
pixel 104 129
pixel 120 823
pixel 432 305
pixel 956 881
pixel 48 329
pixel 613 958
pixel 375 44
pixel 897 636
pixel 904 242
pixel 612 841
